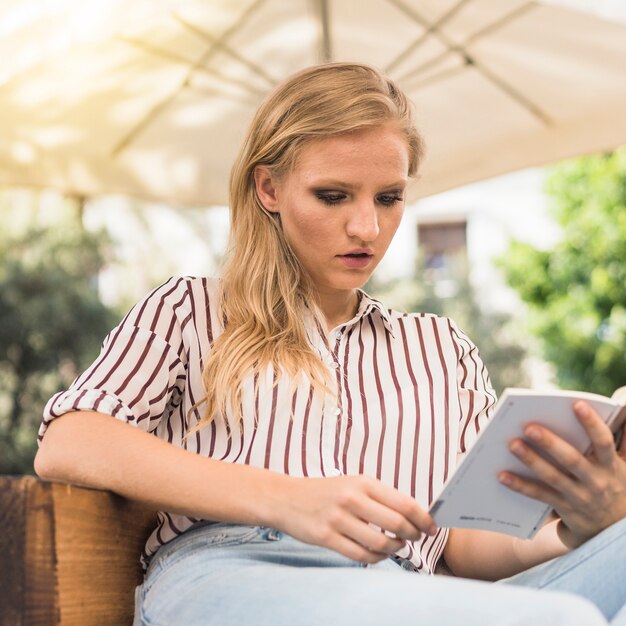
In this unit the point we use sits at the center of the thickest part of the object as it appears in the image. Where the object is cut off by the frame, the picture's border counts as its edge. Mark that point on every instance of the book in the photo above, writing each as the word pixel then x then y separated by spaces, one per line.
pixel 473 497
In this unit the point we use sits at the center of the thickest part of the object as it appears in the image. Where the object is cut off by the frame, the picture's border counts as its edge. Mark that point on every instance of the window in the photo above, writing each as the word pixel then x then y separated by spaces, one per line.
pixel 443 254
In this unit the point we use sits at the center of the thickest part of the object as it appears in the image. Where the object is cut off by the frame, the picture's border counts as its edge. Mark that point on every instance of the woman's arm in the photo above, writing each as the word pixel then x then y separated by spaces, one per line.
pixel 491 556
pixel 96 450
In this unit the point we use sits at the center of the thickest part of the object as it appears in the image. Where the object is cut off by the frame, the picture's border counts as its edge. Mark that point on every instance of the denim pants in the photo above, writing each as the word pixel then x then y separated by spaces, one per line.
pixel 235 575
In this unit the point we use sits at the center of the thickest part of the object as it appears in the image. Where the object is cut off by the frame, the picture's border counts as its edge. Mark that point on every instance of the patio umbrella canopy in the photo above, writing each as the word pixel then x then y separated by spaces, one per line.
pixel 151 98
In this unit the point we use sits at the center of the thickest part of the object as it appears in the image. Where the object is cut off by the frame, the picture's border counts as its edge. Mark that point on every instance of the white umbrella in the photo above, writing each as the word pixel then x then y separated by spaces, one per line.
pixel 152 98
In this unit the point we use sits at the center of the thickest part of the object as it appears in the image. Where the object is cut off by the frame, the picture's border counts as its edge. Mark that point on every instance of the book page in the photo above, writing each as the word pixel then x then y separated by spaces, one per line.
pixel 474 498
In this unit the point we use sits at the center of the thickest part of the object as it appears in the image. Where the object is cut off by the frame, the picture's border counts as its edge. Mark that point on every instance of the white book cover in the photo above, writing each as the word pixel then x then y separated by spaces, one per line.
pixel 474 498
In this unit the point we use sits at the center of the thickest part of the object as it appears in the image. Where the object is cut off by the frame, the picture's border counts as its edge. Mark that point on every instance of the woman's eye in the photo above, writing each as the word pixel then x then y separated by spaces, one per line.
pixel 331 197
pixel 389 199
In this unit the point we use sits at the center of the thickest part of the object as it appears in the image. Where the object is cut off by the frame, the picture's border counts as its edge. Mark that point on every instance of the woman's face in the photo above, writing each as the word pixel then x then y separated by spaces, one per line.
pixel 341 204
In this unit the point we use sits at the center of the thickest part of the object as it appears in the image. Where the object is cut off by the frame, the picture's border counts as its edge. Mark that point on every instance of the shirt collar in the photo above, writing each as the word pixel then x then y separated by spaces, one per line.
pixel 368 305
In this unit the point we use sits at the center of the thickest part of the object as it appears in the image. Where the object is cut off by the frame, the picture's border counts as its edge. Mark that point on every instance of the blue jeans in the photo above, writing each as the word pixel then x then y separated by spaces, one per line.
pixel 234 575
pixel 596 570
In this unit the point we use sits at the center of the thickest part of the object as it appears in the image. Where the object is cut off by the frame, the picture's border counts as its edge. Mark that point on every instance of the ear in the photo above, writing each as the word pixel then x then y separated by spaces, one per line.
pixel 266 188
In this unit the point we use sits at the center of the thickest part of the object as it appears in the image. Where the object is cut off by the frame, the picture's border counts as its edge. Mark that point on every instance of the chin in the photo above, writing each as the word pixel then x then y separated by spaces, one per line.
pixel 354 281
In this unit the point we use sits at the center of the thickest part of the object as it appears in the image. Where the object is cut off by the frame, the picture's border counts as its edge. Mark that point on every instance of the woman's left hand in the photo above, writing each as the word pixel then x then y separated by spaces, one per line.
pixel 588 492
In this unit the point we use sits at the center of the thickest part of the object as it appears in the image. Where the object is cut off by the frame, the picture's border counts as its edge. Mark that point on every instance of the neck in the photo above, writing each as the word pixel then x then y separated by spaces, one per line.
pixel 338 307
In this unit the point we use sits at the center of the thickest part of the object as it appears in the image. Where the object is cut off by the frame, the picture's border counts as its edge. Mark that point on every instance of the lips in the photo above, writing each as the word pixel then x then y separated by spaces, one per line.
pixel 357 259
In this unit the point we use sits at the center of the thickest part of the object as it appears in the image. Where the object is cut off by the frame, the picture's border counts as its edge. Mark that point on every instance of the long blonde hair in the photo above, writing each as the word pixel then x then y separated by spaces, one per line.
pixel 264 287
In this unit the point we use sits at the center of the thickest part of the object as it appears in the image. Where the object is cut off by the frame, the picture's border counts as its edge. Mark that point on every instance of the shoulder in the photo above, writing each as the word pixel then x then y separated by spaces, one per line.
pixel 424 320
pixel 430 329
pixel 177 287
pixel 178 297
pixel 399 321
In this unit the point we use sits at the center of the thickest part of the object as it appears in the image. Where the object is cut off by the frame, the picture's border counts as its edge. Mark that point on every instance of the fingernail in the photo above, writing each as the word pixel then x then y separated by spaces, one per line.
pixel 517 447
pixel 505 479
pixel 432 530
pixel 581 408
pixel 533 433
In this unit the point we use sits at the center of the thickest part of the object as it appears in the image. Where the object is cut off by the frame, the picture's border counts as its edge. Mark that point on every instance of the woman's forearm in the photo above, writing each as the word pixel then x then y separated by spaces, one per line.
pixel 98 451
pixel 95 450
pixel 491 556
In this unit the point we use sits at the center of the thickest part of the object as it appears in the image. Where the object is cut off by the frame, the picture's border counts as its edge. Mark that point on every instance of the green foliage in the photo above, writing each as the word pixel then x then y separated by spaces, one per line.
pixel 51 324
pixel 577 291
pixel 496 334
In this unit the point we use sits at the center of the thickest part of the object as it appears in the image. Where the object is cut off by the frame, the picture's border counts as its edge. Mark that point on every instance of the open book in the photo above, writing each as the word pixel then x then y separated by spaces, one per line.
pixel 474 498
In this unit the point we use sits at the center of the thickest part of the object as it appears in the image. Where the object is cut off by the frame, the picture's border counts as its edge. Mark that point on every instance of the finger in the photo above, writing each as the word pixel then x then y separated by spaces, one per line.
pixel 546 472
pixel 564 454
pixel 532 489
pixel 369 536
pixel 387 519
pixel 404 505
pixel 354 550
pixel 555 461
pixel 600 434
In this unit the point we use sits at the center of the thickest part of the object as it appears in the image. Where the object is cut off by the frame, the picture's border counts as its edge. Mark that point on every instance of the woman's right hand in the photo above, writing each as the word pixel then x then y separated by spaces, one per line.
pixel 349 514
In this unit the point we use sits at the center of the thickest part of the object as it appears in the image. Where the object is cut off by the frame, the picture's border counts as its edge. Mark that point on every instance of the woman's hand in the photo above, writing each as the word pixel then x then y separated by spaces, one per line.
pixel 349 514
pixel 587 492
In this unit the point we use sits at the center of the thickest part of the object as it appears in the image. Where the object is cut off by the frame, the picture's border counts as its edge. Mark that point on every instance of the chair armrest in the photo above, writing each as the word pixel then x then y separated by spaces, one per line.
pixel 68 555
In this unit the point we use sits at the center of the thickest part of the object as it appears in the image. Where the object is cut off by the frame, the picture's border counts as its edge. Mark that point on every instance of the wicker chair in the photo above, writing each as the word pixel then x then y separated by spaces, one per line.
pixel 68 555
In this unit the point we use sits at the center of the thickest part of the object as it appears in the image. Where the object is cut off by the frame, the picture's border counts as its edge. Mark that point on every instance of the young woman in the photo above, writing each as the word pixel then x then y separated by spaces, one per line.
pixel 293 431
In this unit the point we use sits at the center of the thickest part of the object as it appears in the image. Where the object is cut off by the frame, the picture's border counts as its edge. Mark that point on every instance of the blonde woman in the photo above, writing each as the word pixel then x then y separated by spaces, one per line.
pixel 293 431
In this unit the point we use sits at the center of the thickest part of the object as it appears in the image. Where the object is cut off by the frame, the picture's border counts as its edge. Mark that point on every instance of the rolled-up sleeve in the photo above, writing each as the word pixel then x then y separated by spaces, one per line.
pixel 139 368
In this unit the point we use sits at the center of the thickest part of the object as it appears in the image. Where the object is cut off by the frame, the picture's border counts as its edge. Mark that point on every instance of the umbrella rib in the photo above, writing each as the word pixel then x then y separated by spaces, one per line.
pixel 434 78
pixel 513 94
pixel 175 58
pixel 450 46
pixel 163 104
pixel 469 60
pixel 503 21
pixel 326 53
pixel 227 49
pixel 429 28
pixel 150 49
pixel 146 121
pixel 220 94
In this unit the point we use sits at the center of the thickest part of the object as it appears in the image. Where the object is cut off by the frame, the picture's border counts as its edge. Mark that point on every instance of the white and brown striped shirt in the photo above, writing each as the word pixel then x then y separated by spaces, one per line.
pixel 412 394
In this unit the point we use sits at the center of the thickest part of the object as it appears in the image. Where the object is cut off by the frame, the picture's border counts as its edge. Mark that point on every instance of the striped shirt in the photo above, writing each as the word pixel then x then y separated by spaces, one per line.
pixel 411 395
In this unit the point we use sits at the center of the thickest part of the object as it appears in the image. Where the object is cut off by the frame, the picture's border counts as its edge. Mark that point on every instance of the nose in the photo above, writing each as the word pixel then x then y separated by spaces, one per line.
pixel 363 221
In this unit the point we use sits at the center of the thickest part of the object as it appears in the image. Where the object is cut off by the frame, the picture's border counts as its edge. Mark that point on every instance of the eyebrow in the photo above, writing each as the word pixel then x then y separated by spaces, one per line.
pixel 331 182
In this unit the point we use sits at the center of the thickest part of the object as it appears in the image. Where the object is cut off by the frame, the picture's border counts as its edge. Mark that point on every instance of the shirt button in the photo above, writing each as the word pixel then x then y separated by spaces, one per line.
pixel 337 411
pixel 273 535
